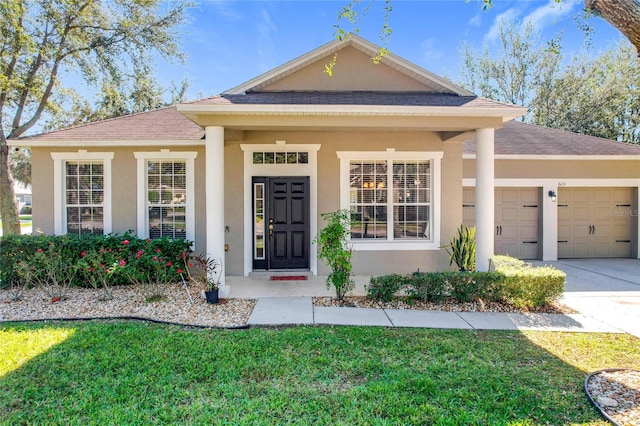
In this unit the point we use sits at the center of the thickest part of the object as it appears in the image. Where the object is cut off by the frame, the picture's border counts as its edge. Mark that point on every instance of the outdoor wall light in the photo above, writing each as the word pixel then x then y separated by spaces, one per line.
pixel 552 195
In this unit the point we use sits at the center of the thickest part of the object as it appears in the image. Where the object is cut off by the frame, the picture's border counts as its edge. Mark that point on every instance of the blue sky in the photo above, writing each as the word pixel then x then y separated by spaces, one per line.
pixel 229 42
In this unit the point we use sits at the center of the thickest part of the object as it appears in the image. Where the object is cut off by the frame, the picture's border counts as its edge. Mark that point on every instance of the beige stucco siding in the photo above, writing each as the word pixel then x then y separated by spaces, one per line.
pixel 123 188
pixel 365 262
pixel 42 190
pixel 353 71
pixel 561 169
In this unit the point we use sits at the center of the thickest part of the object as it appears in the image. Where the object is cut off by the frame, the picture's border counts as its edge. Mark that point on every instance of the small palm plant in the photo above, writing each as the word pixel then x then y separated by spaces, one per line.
pixel 462 249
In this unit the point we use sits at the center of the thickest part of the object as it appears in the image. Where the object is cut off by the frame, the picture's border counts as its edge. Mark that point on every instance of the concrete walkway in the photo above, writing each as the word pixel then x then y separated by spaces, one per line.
pixel 606 292
pixel 299 310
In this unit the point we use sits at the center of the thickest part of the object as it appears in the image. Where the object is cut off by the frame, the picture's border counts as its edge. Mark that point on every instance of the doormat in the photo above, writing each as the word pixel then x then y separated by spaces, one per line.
pixel 288 278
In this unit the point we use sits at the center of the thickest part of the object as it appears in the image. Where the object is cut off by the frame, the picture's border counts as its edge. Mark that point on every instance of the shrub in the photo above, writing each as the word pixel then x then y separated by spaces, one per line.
pixel 467 286
pixel 530 287
pixel 61 261
pixel 383 288
pixel 334 250
pixel 428 286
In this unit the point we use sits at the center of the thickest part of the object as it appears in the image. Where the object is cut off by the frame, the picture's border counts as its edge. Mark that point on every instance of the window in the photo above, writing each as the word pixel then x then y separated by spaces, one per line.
pixel 84 195
pixel 82 192
pixel 166 194
pixel 392 197
pixel 167 198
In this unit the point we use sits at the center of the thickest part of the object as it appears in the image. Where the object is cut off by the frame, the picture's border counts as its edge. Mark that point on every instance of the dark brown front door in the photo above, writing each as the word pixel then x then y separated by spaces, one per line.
pixel 286 223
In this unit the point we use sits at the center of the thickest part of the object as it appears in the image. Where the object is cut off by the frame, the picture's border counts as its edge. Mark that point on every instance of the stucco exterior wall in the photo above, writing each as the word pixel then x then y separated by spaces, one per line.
pixel 365 262
pixel 353 70
pixel 123 186
pixel 566 169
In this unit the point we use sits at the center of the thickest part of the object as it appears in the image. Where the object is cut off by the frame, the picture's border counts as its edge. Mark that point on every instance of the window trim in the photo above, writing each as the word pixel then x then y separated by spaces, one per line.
pixel 141 183
pixel 59 187
pixel 390 155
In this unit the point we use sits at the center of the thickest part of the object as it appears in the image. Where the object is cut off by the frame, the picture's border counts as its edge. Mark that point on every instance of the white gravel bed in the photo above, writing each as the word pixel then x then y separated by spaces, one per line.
pixel 445 305
pixel 617 393
pixel 128 301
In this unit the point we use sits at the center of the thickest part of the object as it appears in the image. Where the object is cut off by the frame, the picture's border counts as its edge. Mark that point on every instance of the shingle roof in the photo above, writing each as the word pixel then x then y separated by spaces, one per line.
pixel 351 98
pixel 161 124
pixel 517 138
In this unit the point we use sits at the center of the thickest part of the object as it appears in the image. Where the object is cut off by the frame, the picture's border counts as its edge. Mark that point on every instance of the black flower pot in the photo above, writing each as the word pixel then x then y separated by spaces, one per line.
pixel 212 296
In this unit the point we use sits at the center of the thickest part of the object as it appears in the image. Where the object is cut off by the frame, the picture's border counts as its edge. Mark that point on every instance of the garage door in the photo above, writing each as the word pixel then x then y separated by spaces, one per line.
pixel 517 216
pixel 594 222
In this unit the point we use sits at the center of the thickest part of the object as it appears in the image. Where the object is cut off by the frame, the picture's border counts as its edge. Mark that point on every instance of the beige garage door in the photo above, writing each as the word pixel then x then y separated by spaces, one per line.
pixel 517 216
pixel 594 222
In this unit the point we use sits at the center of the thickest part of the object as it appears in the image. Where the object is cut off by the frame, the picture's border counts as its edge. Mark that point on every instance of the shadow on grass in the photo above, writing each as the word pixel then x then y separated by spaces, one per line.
pixel 137 373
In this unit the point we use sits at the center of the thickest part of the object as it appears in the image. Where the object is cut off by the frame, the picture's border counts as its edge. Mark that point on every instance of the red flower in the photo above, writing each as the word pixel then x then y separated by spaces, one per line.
pixel 168 263
pixel 125 242
pixel 190 265
pixel 158 251
pixel 122 263
pixel 91 269
pixel 180 271
pixel 155 258
pixel 83 254
pixel 148 240
pixel 39 250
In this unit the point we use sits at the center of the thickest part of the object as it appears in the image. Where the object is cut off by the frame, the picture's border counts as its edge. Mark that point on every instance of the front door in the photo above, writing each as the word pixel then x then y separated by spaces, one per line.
pixel 281 225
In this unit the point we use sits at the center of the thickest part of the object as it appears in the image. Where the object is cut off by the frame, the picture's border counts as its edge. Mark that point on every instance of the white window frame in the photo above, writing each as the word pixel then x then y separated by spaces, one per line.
pixel 59 187
pixel 141 177
pixel 390 155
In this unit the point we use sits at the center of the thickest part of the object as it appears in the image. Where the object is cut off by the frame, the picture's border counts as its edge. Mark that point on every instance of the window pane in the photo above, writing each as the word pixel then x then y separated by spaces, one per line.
pixel 167 184
pixel 258 157
pixel 411 199
pixel 84 197
pixel 368 199
pixel 303 158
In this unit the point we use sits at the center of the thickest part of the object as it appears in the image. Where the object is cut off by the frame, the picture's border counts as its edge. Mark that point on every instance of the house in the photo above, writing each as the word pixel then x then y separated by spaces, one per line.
pixel 23 196
pixel 247 174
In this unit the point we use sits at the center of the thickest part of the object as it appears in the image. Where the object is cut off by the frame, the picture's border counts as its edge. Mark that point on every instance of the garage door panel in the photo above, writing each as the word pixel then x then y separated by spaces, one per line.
pixel 590 223
pixel 516 220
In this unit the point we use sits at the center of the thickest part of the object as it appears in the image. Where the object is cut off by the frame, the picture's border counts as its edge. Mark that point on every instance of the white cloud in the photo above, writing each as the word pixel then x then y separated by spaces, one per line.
pixel 430 51
pixel 265 27
pixel 551 13
pixel 493 33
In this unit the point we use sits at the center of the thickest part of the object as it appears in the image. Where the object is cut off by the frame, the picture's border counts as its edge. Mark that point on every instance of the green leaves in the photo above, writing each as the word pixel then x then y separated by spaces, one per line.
pixel 333 248
pixel 462 249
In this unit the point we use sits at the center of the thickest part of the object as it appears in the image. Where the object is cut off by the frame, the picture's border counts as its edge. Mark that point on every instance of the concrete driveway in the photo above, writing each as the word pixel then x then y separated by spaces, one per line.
pixel 605 289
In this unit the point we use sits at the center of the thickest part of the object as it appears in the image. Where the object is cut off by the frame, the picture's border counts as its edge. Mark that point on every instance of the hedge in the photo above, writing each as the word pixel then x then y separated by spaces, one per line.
pixel 514 282
pixel 73 249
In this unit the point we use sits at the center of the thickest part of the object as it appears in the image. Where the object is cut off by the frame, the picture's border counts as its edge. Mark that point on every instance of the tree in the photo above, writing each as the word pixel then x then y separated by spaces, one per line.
pixel 623 15
pixel 41 39
pixel 20 162
pixel 598 97
pixel 513 73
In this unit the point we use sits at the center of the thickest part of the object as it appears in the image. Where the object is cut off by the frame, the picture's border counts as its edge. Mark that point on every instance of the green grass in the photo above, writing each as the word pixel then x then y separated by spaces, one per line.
pixel 102 373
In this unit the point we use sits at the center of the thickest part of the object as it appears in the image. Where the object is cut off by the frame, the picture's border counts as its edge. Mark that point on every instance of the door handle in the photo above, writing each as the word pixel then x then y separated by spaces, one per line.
pixel 270 228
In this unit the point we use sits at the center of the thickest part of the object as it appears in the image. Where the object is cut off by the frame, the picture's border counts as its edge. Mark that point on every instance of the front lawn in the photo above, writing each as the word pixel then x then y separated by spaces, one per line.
pixel 141 373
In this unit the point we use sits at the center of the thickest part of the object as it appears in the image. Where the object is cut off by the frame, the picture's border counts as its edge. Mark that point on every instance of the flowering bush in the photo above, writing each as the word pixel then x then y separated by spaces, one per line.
pixel 57 262
pixel 151 268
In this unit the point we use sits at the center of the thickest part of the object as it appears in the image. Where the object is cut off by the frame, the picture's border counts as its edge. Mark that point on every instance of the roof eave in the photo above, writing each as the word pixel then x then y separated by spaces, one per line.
pixel 507 113
pixel 42 141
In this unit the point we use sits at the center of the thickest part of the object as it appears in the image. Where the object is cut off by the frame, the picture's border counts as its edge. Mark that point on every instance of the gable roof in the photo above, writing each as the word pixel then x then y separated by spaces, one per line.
pixel 524 140
pixel 438 84
pixel 164 124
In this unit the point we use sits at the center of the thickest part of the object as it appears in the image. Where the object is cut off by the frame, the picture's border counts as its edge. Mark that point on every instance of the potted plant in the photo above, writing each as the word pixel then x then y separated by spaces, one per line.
pixel 205 275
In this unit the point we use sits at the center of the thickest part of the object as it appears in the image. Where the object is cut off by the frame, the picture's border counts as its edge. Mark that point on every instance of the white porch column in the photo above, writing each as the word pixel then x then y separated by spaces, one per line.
pixel 485 196
pixel 549 223
pixel 214 191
